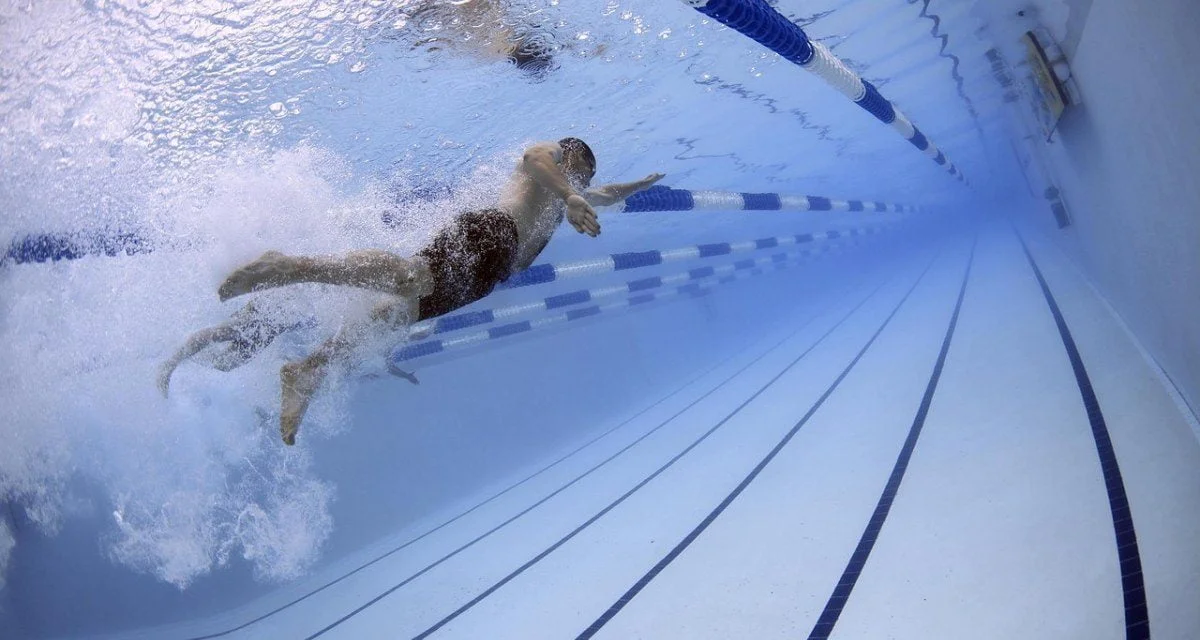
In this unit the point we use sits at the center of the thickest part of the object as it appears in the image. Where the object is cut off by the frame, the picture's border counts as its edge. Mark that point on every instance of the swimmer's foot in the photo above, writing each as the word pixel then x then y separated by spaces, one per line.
pixel 164 377
pixel 298 382
pixel 271 269
pixel 400 373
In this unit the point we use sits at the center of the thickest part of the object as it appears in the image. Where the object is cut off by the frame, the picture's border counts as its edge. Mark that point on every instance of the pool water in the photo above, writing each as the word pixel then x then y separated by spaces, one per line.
pixel 883 435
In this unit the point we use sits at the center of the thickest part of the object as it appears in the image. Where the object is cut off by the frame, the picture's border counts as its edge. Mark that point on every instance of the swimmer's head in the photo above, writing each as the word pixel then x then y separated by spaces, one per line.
pixel 579 163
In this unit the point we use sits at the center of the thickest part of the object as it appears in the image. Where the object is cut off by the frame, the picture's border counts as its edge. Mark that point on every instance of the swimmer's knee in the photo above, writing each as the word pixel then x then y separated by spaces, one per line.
pixel 420 279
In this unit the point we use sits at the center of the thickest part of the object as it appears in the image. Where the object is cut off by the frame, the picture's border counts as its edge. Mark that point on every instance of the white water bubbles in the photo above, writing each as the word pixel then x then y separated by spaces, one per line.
pixel 195 480
pixel 186 485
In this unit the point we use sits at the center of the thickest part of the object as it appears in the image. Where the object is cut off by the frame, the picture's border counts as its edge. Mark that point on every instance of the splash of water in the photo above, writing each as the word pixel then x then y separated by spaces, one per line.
pixel 157 145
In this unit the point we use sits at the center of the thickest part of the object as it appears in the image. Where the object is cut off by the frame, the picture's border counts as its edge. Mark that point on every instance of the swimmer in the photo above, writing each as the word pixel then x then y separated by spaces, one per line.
pixel 484 28
pixel 462 264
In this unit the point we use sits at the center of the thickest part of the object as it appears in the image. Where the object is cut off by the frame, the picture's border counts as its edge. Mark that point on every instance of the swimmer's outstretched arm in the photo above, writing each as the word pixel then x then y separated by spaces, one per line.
pixel 610 194
pixel 195 344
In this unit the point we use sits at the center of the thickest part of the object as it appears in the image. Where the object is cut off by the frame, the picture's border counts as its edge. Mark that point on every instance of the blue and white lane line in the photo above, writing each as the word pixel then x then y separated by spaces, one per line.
pixel 661 198
pixel 455 322
pixel 547 272
pixel 430 347
pixel 693 282
pixel 417 350
pixel 760 22
pixel 54 247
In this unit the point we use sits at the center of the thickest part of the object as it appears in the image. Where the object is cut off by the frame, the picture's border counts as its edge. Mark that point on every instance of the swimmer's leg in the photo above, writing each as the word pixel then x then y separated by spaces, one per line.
pixel 229 331
pixel 195 343
pixel 300 380
pixel 369 269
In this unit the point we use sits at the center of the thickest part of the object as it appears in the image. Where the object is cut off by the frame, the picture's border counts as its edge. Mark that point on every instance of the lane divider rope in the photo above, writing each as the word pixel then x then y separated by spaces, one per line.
pixel 661 198
pixel 707 279
pixel 42 247
pixel 760 22
pixel 551 272
pixel 465 320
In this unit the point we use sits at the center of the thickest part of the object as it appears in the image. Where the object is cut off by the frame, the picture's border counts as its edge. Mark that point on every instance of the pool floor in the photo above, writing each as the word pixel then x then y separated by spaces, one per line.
pixel 915 459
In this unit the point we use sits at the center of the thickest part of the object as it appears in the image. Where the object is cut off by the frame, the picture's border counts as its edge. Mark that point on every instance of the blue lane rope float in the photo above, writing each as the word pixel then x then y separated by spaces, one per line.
pixel 53 247
pixel 430 347
pixel 547 272
pixel 660 198
pixel 740 271
pixel 760 22
pixel 466 320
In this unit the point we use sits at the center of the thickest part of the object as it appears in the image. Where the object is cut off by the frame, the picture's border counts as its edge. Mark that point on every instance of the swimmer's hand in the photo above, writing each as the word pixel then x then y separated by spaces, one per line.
pixel 420 332
pixel 401 373
pixel 648 181
pixel 611 194
pixel 164 377
pixel 582 216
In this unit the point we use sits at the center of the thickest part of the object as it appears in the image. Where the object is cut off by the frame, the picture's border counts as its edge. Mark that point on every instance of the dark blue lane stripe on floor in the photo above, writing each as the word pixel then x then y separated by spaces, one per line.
pixel 582 476
pixel 657 472
pixel 858 560
pixel 467 512
pixel 495 496
pixel 1137 615
pixel 633 591
pixel 504 491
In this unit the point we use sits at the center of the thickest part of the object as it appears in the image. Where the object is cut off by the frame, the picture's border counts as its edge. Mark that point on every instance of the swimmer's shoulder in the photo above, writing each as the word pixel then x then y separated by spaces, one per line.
pixel 547 146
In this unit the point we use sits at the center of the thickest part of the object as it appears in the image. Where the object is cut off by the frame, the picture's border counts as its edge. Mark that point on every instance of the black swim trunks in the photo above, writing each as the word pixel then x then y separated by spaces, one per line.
pixel 256 332
pixel 467 259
